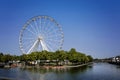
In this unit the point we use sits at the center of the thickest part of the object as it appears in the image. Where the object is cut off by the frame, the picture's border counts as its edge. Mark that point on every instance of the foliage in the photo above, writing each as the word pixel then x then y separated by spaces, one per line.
pixel 90 58
pixel 60 55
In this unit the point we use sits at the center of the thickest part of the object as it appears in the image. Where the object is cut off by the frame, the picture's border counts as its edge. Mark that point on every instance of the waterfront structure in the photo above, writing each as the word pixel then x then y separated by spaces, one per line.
pixel 116 59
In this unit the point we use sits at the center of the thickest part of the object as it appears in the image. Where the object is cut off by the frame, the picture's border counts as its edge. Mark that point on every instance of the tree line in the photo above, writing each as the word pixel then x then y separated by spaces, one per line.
pixel 60 55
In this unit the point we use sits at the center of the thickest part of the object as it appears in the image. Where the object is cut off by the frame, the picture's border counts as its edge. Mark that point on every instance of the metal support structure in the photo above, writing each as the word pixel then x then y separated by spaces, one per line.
pixel 36 45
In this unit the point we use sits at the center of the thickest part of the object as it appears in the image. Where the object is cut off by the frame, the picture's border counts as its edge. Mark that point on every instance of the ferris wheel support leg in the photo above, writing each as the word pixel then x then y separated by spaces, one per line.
pixel 44 47
pixel 34 45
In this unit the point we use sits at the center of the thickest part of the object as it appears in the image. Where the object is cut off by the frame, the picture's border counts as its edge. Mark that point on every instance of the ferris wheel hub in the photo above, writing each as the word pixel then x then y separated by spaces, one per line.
pixel 40 38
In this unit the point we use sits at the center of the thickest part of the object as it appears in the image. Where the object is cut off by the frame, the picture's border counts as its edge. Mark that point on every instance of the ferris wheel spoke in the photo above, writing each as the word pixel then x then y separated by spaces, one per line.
pixel 28 42
pixel 40 25
pixel 51 30
pixel 43 27
pixel 37 29
pixel 30 31
pixel 47 25
pixel 55 46
pixel 28 38
pixel 28 45
pixel 27 48
pixel 50 26
pixel 49 47
pixel 53 40
pixel 54 36
pixel 33 29
pixel 49 41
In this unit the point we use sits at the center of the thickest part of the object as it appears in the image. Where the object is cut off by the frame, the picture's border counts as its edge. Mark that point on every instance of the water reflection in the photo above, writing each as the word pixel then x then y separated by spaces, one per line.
pixel 96 71
pixel 53 74
pixel 57 70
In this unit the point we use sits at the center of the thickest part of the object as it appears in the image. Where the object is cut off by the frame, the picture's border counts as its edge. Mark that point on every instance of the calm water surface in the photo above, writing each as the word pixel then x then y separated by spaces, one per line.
pixel 96 71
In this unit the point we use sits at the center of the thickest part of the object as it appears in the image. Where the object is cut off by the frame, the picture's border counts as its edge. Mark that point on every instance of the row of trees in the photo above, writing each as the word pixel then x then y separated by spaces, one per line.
pixel 7 57
pixel 73 56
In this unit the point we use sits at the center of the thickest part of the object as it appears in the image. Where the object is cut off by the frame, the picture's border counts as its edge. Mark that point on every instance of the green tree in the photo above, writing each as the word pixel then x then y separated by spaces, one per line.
pixel 24 57
pixel 90 58
pixel 1 55
pixel 72 55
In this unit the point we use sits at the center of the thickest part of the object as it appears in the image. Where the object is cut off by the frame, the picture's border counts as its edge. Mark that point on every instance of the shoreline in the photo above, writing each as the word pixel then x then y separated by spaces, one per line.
pixel 57 67
pixel 46 66
pixel 79 65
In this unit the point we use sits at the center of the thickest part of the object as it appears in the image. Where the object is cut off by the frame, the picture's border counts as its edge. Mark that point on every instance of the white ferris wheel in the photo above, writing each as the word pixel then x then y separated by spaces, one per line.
pixel 41 33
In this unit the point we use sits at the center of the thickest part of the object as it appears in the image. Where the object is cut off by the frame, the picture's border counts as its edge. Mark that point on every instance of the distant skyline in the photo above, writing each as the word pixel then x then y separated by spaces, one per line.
pixel 89 26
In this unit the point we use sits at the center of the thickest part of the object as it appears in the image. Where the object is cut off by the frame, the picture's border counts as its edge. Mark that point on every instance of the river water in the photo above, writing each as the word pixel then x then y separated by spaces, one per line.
pixel 95 71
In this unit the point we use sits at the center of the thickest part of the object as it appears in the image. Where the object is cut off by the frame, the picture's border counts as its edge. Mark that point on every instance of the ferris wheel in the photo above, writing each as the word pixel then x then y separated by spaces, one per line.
pixel 41 33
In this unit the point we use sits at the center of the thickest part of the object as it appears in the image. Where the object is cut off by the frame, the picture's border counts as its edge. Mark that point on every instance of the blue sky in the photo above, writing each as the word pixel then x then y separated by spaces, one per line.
pixel 90 26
